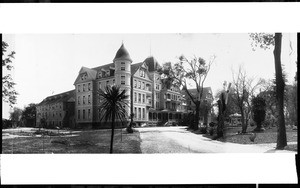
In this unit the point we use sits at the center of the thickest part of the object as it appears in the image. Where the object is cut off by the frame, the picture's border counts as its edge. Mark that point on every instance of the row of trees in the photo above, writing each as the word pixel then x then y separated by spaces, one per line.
pixel 21 117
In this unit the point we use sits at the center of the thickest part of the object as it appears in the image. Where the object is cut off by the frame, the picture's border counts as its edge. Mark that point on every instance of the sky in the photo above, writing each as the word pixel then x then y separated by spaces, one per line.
pixel 48 64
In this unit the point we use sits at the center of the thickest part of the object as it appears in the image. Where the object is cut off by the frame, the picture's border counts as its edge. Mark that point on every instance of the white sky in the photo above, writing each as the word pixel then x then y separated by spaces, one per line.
pixel 49 63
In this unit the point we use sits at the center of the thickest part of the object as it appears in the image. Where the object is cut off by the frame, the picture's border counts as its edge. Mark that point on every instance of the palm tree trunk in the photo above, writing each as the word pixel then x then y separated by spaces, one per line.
pixel 112 132
pixel 281 132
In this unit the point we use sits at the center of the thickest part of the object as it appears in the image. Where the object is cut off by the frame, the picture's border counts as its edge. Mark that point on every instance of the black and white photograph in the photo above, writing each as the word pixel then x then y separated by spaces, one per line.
pixel 168 93
pixel 149 93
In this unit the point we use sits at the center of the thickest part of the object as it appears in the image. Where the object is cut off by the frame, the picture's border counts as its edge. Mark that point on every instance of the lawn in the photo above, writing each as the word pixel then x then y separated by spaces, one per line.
pixel 91 141
pixel 266 137
pixel 269 136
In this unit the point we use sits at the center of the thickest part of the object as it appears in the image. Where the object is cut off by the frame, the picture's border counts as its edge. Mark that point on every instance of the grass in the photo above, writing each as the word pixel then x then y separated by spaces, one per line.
pixel 267 137
pixel 92 141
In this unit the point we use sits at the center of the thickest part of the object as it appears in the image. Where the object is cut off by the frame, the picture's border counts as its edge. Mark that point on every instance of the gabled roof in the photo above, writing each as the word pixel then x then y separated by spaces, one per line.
pixel 105 67
pixel 206 90
pixel 135 67
pixel 61 97
pixel 152 64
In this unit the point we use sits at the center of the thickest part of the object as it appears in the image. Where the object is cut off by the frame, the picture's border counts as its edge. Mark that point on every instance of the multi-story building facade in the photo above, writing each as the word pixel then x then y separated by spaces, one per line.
pixel 152 101
pixel 57 110
pixel 206 101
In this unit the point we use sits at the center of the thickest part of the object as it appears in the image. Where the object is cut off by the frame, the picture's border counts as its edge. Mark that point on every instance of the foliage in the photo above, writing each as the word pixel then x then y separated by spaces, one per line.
pixel 258 110
pixel 112 106
pixel 8 92
pixel 29 115
pixel 195 70
pixel 6 123
pixel 265 41
pixel 15 115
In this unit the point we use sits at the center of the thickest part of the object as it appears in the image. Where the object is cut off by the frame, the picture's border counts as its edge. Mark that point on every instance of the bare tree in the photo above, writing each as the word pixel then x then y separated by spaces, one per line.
pixel 244 89
pixel 195 70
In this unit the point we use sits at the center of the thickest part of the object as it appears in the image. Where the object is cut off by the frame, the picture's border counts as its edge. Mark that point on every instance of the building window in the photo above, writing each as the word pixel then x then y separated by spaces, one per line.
pixel 140 114
pixel 143 98
pixel 107 82
pixel 142 73
pixel 59 114
pixel 89 113
pixel 114 81
pixel 122 68
pixel 139 86
pixel 99 74
pixel 143 85
pixel 99 85
pixel 157 96
pixel 134 96
pixel 157 86
pixel 122 80
pixel 83 87
pixel 135 85
pixel 83 100
pixel 135 113
pixel 122 63
pixel 83 114
pixel 108 73
pixel 143 113
pixel 78 100
pixel 139 98
pixel 78 88
pixel 157 105
pixel 89 86
pixel 89 99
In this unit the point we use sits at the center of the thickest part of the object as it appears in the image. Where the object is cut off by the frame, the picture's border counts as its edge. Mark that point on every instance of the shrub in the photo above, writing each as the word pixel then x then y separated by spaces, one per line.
pixel 259 111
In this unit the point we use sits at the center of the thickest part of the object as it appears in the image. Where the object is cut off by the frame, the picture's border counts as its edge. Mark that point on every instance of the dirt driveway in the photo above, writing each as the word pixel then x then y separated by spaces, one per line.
pixel 179 140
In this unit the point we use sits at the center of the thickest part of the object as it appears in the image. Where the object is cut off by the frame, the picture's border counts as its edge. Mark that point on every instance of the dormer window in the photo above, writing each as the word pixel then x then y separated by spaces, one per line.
pixel 108 73
pixel 142 73
pixel 99 74
pixel 83 76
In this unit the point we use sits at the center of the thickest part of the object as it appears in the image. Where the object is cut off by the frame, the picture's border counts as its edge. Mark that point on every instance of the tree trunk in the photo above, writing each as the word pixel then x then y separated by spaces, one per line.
pixel 196 123
pixel 244 125
pixel 281 131
pixel 112 132
pixel 129 128
pixel 220 120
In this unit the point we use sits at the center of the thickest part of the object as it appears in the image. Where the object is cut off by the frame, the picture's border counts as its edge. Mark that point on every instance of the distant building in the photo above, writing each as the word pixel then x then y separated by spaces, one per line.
pixel 206 101
pixel 57 110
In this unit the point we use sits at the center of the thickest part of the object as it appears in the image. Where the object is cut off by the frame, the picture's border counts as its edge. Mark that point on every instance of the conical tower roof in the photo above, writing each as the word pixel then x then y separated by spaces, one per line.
pixel 122 54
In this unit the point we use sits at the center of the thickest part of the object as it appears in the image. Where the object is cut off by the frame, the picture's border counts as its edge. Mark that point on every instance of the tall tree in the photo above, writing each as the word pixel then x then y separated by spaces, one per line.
pixel 15 116
pixel 244 89
pixel 29 115
pixel 265 41
pixel 9 94
pixel 112 107
pixel 194 70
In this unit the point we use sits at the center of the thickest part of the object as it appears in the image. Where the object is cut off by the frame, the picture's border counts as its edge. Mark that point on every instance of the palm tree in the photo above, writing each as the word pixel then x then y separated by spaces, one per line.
pixel 112 106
